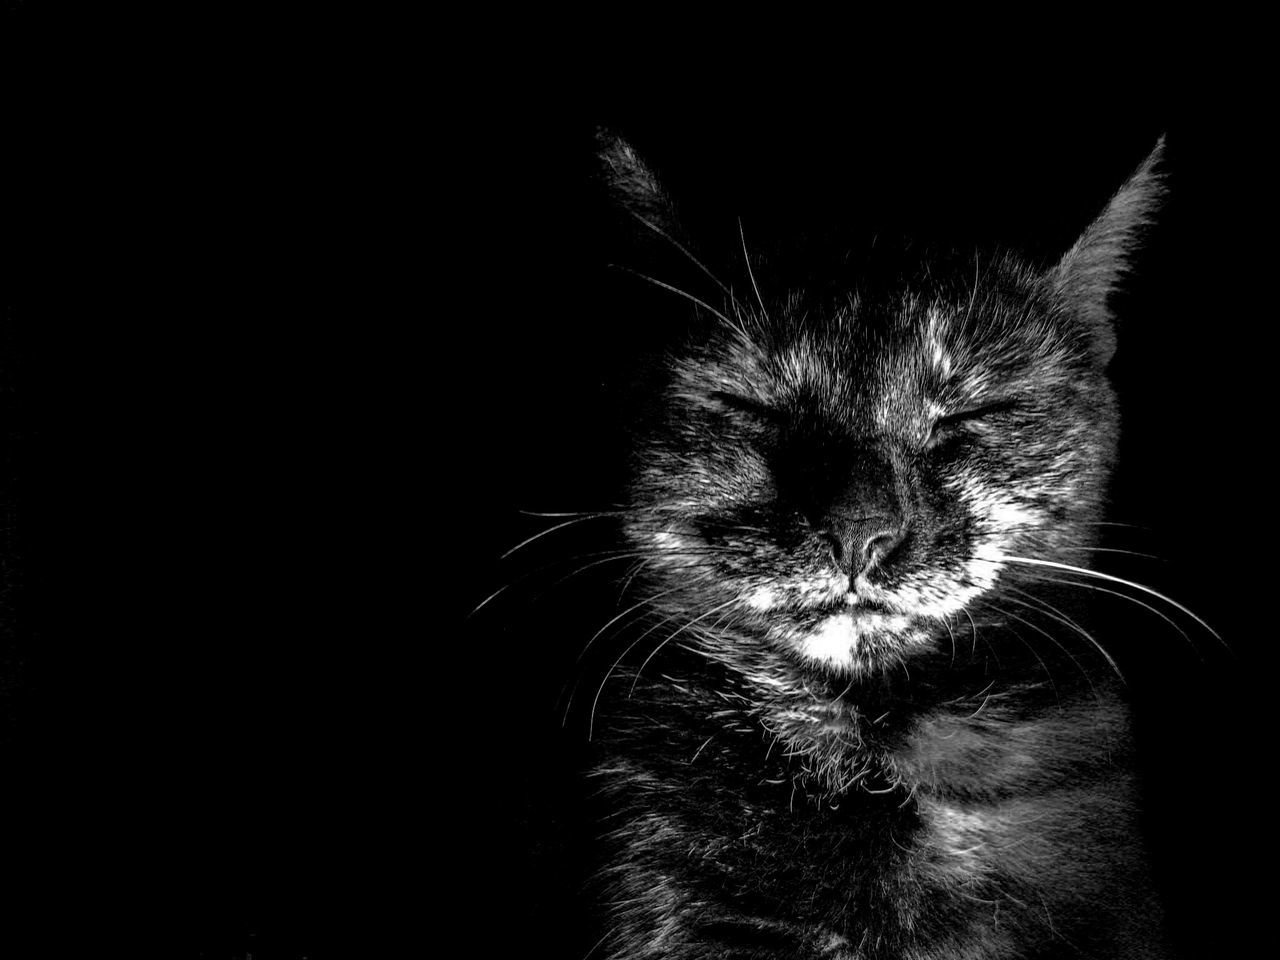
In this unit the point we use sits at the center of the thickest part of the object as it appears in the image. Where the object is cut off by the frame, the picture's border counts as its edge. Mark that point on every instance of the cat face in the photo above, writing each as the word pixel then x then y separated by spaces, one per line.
pixel 840 487
pixel 839 479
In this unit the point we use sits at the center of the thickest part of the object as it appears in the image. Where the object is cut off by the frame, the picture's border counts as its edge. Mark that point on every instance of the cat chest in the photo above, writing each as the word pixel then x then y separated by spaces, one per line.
pixel 854 845
pixel 869 869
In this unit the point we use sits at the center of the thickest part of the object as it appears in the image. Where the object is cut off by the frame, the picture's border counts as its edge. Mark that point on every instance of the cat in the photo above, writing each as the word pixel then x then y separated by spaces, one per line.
pixel 871 717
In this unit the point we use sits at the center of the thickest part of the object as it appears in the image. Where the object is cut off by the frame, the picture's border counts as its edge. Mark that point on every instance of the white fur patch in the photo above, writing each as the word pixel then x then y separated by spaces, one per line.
pixel 674 550
pixel 835 642
pixel 939 357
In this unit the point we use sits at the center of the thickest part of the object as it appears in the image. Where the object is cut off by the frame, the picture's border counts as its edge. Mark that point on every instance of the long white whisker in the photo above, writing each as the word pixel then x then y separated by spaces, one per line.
pixel 608 557
pixel 636 678
pixel 637 606
pixel 485 602
pixel 577 513
pixel 1072 546
pixel 540 535
pixel 1047 672
pixel 648 600
pixel 688 296
pixel 951 633
pixel 533 573
pixel 973 651
pixel 751 273
pixel 591 720
pixel 973 298
pixel 679 246
pixel 1125 596
pixel 630 555
pixel 1084 571
pixel 1064 619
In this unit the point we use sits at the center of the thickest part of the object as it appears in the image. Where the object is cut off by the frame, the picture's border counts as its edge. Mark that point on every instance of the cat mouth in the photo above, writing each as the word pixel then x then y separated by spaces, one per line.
pixel 859 608
pixel 852 605
pixel 856 606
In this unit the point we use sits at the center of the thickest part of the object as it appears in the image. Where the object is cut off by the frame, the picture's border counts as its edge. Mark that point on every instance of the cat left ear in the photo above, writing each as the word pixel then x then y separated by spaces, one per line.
pixel 633 185
pixel 1084 279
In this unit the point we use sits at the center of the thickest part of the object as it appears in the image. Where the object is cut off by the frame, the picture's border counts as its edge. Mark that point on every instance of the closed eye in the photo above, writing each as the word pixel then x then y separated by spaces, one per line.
pixel 974 413
pixel 948 427
pixel 753 408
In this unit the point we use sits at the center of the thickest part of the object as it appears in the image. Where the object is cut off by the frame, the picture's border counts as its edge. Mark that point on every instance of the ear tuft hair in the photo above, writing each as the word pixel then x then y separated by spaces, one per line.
pixel 1084 279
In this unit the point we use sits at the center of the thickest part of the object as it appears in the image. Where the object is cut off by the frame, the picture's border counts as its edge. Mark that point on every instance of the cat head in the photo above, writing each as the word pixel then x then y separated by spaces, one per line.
pixel 843 458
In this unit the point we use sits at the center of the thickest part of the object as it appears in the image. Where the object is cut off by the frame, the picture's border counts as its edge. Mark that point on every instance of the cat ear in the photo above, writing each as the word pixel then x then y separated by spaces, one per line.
pixel 1084 279
pixel 633 185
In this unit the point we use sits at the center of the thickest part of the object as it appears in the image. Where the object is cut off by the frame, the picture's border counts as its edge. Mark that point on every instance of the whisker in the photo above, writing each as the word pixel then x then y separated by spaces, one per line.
pixel 540 535
pixel 1067 621
pixel 546 566
pixel 1113 579
pixel 577 513
pixel 688 296
pixel 751 273
pixel 608 556
pixel 636 678
pixel 591 720
pixel 1045 605
pixel 630 576
pixel 483 603
pixel 631 555
pixel 648 600
pixel 598 943
pixel 1047 672
pixel 974 296
pixel 973 652
pixel 679 246
pixel 1130 553
pixel 1125 596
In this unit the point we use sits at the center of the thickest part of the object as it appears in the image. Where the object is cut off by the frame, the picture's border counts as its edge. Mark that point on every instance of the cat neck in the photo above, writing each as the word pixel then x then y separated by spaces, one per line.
pixel 921 726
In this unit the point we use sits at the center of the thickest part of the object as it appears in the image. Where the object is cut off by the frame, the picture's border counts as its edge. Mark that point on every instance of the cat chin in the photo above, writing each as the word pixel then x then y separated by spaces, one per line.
pixel 856 642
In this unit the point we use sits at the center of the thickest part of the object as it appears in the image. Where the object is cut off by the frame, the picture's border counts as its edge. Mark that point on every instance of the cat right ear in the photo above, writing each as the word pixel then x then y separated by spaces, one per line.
pixel 1084 279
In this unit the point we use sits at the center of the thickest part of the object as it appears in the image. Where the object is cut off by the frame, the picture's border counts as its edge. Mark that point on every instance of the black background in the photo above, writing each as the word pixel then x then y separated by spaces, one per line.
pixel 294 333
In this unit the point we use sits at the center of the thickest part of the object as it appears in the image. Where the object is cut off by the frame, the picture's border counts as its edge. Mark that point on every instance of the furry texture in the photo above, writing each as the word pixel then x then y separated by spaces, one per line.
pixel 855 490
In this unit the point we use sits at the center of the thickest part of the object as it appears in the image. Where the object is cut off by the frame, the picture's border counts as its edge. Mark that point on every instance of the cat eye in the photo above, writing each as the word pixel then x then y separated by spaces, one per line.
pixel 753 408
pixel 947 427
pixel 976 413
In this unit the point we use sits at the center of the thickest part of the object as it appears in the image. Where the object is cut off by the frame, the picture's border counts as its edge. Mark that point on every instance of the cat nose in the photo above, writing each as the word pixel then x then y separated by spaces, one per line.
pixel 867 516
pixel 858 544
